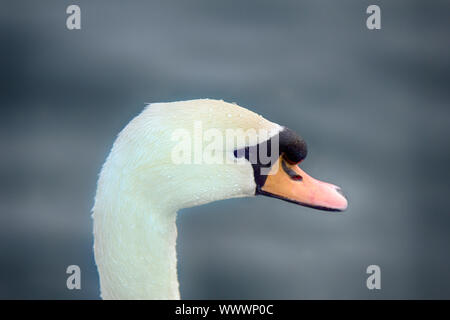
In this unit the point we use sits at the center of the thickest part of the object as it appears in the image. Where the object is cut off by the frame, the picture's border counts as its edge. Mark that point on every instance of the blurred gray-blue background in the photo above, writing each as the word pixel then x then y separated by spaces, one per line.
pixel 372 105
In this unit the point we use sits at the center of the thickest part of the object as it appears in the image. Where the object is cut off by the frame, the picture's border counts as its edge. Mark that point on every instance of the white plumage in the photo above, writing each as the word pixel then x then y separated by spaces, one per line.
pixel 140 190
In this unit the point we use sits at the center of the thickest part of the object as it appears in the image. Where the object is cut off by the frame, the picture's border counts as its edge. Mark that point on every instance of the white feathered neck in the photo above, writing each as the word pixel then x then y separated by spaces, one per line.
pixel 140 190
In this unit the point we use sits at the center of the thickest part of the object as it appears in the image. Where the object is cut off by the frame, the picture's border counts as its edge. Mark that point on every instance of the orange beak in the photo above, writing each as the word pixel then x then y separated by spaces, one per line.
pixel 288 182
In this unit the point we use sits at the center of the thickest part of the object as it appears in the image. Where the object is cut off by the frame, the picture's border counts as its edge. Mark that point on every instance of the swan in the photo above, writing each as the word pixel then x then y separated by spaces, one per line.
pixel 141 186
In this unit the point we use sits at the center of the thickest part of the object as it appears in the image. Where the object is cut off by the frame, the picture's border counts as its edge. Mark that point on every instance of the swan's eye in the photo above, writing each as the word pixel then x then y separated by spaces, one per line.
pixel 291 173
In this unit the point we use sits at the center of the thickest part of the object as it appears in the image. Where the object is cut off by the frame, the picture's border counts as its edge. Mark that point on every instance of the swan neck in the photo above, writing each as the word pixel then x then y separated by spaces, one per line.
pixel 135 251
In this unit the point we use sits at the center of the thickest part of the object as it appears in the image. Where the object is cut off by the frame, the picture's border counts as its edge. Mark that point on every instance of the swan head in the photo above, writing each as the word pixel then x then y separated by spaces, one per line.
pixel 182 154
